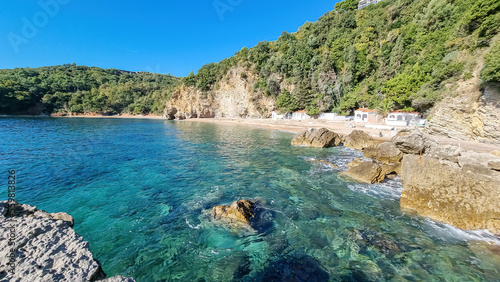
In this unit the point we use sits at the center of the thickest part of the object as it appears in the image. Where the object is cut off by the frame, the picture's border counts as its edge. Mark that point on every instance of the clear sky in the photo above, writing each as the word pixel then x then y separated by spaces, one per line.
pixel 159 36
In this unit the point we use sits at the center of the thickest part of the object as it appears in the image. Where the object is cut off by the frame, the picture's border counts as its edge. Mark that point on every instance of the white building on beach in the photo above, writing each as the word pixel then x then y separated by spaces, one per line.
pixel 367 115
pixel 398 118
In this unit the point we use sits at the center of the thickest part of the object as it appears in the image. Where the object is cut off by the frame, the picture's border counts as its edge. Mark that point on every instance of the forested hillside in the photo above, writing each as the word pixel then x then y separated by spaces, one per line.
pixel 82 90
pixel 397 54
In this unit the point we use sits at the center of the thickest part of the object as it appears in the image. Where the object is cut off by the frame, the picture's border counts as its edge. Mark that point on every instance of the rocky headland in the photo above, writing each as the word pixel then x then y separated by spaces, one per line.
pixel 46 248
pixel 445 183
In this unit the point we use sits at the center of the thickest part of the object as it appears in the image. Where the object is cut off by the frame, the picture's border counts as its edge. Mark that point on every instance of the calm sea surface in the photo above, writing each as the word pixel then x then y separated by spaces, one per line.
pixel 141 192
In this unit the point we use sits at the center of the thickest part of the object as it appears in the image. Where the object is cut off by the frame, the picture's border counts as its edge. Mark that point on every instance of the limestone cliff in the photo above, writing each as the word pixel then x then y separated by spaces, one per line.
pixel 470 110
pixel 232 97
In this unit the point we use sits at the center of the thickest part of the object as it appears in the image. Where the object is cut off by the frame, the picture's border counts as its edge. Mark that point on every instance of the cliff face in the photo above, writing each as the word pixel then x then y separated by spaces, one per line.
pixel 471 108
pixel 471 114
pixel 232 97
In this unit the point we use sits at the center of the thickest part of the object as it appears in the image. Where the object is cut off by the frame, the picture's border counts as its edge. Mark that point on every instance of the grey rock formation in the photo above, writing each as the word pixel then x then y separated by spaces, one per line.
pixel 170 113
pixel 319 138
pixel 47 248
pixel 413 142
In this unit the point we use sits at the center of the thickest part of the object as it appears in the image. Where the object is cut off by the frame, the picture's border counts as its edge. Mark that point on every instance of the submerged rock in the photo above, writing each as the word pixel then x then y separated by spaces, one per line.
pixel 319 138
pixel 461 196
pixel 46 248
pixel 324 162
pixel 358 140
pixel 242 211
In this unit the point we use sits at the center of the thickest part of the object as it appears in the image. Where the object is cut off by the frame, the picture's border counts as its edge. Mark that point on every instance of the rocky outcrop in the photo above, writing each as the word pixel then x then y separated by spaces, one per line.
pixel 471 110
pixel 232 97
pixel 170 113
pixel 366 172
pixel 495 153
pixel 386 153
pixel 358 140
pixel 458 195
pixel 242 211
pixel 46 249
pixel 319 138
pixel 413 142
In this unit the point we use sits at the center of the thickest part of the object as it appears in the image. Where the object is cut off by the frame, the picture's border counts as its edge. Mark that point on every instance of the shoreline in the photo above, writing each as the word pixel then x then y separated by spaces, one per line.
pixel 126 116
pixel 295 126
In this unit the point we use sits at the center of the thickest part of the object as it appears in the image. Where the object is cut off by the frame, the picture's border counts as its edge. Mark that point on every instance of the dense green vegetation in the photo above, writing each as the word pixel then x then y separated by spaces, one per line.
pixel 80 89
pixel 397 54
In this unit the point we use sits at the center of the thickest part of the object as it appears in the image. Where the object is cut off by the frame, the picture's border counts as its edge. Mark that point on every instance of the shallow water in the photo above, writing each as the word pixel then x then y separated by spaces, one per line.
pixel 141 190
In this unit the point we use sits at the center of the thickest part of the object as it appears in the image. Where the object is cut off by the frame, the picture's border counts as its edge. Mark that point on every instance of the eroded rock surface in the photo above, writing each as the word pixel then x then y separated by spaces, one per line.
pixel 358 140
pixel 366 172
pixel 242 211
pixel 466 196
pixel 413 142
pixel 386 153
pixel 48 249
pixel 319 138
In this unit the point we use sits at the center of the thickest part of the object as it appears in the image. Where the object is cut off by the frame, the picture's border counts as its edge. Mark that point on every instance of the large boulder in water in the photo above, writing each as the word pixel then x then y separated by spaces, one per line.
pixel 366 172
pixel 242 211
pixel 358 140
pixel 319 138
pixel 386 153
pixel 466 195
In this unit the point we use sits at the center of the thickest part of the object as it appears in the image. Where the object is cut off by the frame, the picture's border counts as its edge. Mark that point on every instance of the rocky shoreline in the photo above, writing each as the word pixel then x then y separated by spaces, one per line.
pixel 44 247
pixel 444 183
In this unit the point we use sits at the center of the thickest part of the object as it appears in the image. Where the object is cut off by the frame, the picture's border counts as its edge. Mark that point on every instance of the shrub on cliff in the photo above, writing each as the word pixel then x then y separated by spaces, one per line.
pixel 491 71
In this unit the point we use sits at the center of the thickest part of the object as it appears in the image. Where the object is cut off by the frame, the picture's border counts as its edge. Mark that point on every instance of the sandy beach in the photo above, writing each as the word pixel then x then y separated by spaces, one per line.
pixel 342 127
pixel 295 126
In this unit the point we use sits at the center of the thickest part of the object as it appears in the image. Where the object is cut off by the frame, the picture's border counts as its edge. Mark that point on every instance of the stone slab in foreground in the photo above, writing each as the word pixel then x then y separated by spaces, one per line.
pixel 48 249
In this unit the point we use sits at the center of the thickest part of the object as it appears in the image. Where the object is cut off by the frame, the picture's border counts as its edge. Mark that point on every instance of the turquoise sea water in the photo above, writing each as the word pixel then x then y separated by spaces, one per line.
pixel 141 192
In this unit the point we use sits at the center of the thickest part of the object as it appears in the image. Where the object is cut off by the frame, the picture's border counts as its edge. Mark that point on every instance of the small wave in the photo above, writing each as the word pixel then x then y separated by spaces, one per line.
pixel 390 189
pixel 446 232
pixel 192 226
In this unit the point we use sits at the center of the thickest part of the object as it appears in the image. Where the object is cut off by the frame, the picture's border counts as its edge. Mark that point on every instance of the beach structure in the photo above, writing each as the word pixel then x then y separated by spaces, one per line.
pixel 399 118
pixel 277 115
pixel 300 115
pixel 367 115
pixel 334 117
pixel 297 115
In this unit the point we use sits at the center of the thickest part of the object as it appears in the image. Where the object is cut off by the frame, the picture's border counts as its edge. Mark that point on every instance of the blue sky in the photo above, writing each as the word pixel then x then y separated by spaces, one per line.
pixel 159 36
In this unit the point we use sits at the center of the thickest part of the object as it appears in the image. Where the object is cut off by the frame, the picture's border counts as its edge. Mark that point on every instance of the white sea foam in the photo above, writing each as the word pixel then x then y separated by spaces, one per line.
pixel 192 226
pixel 448 232
pixel 390 189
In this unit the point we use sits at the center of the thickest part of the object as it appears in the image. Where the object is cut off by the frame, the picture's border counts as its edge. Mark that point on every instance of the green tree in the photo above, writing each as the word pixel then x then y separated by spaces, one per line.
pixel 491 71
